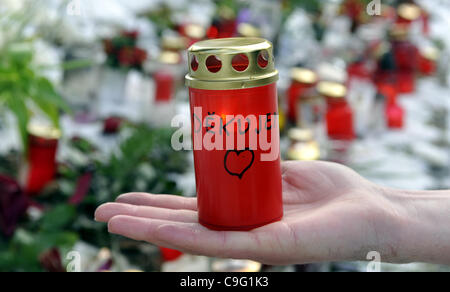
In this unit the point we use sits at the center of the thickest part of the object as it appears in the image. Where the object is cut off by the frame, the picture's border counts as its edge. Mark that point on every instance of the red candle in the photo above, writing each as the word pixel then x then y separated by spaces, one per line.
pixel 339 116
pixel 169 255
pixel 406 59
pixel 193 32
pixel 427 61
pixel 407 13
pixel 233 98
pixel 43 144
pixel 302 80
pixel 164 84
pixel 394 113
pixel 394 116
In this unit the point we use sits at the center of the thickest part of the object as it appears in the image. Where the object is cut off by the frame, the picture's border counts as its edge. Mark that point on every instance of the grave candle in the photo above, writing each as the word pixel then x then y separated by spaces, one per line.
pixel 339 116
pixel 302 80
pixel 233 99
pixel 428 60
pixel 406 59
pixel 43 144
pixel 165 77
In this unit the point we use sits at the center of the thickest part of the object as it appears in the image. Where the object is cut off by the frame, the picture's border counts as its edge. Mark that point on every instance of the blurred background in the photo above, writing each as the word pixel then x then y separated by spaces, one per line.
pixel 88 90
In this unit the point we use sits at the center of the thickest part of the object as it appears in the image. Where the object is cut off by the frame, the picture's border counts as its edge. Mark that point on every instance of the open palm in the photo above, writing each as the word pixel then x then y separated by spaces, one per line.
pixel 330 213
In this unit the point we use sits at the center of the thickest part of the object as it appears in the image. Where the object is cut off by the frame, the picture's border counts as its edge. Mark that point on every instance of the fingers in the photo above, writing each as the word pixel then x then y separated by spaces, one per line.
pixel 160 201
pixel 106 211
pixel 188 237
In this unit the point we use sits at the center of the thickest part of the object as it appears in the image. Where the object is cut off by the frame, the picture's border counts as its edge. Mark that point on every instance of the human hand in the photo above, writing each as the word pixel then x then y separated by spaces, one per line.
pixel 330 213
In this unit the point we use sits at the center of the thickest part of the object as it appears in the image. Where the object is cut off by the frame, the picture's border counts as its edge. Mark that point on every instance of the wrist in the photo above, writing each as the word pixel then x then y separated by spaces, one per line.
pixel 421 226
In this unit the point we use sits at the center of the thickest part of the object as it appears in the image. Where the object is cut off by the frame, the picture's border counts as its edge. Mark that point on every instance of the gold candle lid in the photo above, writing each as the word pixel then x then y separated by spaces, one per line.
pixel 248 30
pixel 303 75
pixel 430 53
pixel 195 31
pixel 300 135
pixel 409 11
pixel 169 57
pixel 44 131
pixel 304 151
pixel 174 43
pixel 399 32
pixel 332 89
pixel 231 63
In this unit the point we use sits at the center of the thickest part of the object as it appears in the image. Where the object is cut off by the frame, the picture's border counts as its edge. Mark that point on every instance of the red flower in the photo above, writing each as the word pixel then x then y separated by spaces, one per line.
pixel 140 56
pixel 51 261
pixel 132 56
pixel 13 204
pixel 132 34
pixel 108 47
pixel 126 57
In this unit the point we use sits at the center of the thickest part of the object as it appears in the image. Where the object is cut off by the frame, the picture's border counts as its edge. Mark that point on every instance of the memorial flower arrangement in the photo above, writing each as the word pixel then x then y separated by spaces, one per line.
pixel 36 234
pixel 24 87
pixel 123 53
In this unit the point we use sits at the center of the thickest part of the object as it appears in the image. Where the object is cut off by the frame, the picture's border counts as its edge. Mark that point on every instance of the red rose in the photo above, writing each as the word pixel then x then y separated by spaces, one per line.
pixel 140 56
pixel 126 57
pixel 132 34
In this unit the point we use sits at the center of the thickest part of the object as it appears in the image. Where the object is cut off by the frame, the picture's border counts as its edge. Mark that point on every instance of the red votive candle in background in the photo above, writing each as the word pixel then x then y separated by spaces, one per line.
pixel 394 113
pixel 385 73
pixel 164 83
pixel 407 13
pixel 169 255
pixel 233 96
pixel 339 115
pixel 428 60
pixel 193 32
pixel 41 166
pixel 406 59
pixel 164 77
pixel 301 80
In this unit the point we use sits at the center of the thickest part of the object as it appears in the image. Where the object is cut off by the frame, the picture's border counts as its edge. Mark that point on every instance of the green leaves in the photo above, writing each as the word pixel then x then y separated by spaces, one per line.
pixel 58 218
pixel 19 109
pixel 20 84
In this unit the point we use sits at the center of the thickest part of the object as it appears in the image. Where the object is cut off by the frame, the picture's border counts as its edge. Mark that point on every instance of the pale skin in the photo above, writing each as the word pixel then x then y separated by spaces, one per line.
pixel 330 214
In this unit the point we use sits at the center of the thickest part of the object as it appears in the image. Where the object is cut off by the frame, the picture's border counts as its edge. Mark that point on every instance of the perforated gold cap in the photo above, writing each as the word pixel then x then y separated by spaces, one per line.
pixel 332 89
pixel 258 71
pixel 169 57
pixel 299 134
pixel 195 31
pixel 175 43
pixel 409 11
pixel 430 53
pixel 303 75
pixel 44 131
pixel 248 30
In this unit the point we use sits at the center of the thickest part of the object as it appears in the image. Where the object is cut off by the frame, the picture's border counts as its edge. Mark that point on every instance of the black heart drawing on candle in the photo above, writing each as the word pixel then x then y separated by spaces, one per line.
pixel 237 162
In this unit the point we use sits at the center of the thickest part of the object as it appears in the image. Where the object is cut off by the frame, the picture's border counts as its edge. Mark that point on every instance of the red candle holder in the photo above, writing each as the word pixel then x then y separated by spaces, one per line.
pixel 394 113
pixel 302 81
pixel 193 32
pixel 165 76
pixel 339 115
pixel 233 99
pixel 169 255
pixel 407 13
pixel 406 59
pixel 428 61
pixel 42 148
pixel 164 84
